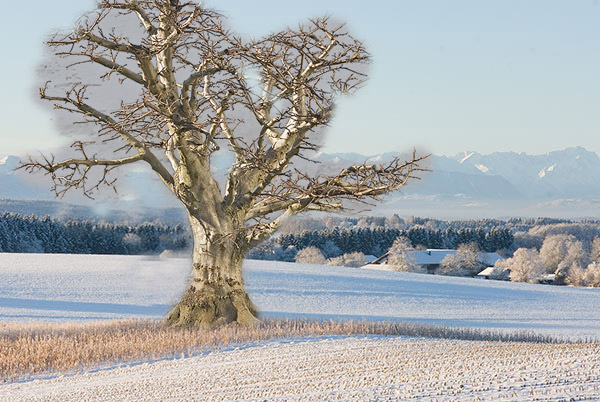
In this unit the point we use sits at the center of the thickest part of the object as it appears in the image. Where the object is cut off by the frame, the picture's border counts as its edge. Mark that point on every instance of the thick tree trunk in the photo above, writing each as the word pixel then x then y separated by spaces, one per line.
pixel 216 292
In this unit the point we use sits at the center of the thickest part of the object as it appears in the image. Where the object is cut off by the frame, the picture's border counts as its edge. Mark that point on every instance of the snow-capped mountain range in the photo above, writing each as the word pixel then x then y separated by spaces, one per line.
pixel 563 183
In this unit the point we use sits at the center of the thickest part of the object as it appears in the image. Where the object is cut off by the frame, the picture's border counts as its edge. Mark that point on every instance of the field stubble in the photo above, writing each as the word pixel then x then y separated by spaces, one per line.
pixel 343 368
pixel 28 349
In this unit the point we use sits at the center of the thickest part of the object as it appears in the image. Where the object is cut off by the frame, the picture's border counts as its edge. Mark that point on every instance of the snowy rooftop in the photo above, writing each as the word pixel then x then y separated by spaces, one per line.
pixel 435 256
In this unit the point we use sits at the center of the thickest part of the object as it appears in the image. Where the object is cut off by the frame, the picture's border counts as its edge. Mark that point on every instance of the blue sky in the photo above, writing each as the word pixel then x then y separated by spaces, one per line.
pixel 447 76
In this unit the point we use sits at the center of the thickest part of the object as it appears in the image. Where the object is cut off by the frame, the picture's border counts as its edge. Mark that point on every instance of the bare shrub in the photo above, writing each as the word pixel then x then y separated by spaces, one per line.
pixel 310 255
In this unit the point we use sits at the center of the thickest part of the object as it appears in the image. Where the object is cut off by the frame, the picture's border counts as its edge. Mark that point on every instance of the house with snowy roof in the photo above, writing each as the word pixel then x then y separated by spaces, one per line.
pixel 431 259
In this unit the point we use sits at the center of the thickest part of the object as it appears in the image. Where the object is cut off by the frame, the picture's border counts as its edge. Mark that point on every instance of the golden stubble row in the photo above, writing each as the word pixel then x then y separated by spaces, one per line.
pixel 27 349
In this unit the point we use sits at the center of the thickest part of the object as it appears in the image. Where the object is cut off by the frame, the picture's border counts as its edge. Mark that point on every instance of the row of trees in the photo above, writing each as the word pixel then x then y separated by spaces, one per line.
pixel 312 255
pixel 44 235
pixel 568 259
pixel 568 253
pixel 333 243
pixel 299 225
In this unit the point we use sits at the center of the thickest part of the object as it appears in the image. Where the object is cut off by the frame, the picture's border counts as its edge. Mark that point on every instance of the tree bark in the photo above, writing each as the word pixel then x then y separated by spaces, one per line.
pixel 215 294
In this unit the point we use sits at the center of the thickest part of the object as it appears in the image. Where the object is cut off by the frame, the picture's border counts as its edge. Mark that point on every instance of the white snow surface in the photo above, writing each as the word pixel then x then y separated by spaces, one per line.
pixel 466 156
pixel 53 287
pixel 482 168
pixel 341 368
pixel 86 287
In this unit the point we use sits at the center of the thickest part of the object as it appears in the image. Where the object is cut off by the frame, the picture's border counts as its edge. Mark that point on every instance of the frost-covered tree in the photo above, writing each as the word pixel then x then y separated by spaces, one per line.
pixel 555 249
pixel 527 240
pixel 466 261
pixel 166 84
pixel 595 250
pixel 401 258
pixel 562 252
pixel 310 255
pixel 353 260
pixel 400 245
pixel 582 231
pixel 500 271
pixel 576 257
pixel 525 265
pixel 589 276
pixel 592 275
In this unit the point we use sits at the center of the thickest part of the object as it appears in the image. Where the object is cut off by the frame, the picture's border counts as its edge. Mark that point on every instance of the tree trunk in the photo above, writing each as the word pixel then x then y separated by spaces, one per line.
pixel 216 292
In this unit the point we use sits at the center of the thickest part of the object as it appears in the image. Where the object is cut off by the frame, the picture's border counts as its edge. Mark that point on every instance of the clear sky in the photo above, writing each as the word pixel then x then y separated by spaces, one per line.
pixel 447 76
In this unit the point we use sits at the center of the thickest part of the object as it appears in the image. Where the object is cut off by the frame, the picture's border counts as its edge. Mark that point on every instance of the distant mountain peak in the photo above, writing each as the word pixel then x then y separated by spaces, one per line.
pixel 466 156
pixel 510 182
pixel 9 162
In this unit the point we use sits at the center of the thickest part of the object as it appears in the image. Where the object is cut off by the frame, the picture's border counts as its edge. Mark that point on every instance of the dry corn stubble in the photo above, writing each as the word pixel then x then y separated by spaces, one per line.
pixel 27 349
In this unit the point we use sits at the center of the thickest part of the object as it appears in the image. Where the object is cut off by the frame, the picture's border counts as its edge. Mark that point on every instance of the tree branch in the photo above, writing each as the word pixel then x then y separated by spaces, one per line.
pixel 134 6
pixel 110 123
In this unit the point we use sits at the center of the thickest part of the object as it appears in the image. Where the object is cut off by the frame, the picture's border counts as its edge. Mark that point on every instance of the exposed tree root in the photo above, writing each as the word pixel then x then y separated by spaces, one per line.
pixel 210 307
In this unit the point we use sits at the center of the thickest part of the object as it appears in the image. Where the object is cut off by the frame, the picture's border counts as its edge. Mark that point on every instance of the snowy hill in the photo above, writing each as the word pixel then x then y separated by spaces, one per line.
pixel 62 287
pixel 67 288
pixel 563 183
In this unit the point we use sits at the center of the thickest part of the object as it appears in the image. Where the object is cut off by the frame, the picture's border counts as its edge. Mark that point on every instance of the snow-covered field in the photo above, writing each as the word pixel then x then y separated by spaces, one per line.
pixel 358 369
pixel 89 287
pixel 75 287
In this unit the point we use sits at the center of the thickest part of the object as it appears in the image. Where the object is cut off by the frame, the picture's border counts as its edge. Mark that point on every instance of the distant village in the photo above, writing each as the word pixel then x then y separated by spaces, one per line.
pixel 544 250
pixel 549 251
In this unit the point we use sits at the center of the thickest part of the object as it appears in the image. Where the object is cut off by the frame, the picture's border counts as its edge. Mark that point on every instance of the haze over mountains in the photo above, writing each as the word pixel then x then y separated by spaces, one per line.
pixel 563 183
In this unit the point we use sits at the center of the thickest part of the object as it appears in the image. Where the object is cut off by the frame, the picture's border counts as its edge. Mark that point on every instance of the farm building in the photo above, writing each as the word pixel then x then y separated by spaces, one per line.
pixel 491 273
pixel 429 259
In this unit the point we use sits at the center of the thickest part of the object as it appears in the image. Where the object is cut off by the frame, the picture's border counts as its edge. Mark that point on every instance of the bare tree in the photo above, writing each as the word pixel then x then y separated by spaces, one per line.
pixel 203 89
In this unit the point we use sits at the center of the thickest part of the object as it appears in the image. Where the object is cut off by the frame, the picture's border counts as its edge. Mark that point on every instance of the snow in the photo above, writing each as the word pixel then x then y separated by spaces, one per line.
pixel 467 156
pixel 482 168
pixel 547 170
pixel 341 368
pixel 89 287
pixel 432 256
pixel 55 287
